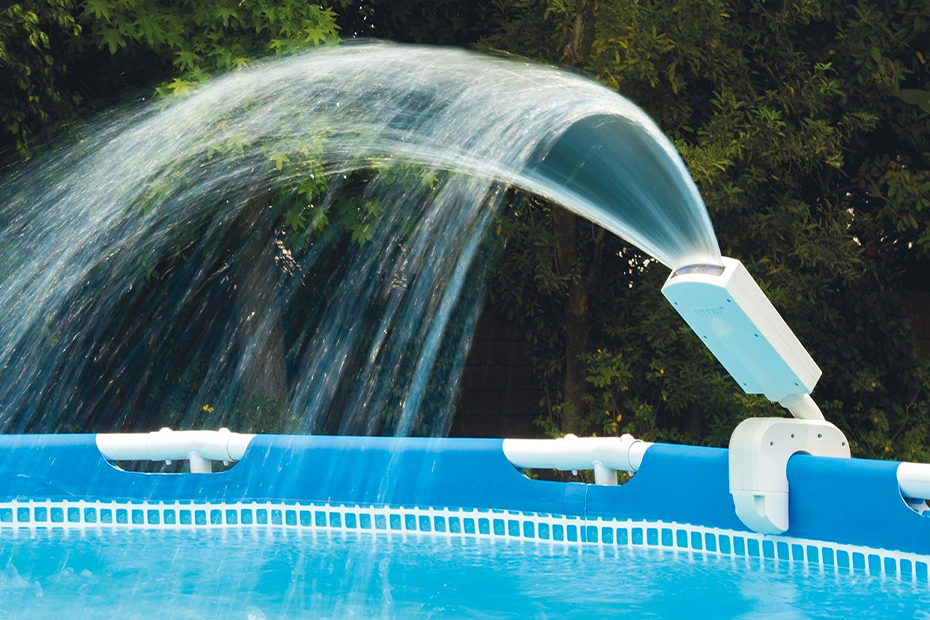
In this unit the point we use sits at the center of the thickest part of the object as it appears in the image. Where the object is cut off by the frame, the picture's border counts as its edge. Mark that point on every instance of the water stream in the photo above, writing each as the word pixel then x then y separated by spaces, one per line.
pixel 303 246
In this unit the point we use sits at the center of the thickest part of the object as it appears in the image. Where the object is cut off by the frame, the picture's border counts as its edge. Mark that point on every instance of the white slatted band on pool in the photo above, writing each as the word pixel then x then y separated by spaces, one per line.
pixel 475 523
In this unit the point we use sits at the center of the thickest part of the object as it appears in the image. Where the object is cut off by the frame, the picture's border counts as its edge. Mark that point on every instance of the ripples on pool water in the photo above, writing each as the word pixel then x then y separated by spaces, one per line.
pixel 265 575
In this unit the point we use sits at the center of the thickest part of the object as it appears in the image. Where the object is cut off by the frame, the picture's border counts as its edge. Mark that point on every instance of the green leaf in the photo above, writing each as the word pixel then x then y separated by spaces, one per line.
pixel 100 9
pixel 238 143
pixel 112 38
pixel 176 86
pixel 187 60
pixel 279 160
pixel 914 96
pixel 295 219
pixel 319 220
pixel 150 29
pixel 362 234
pixel 225 14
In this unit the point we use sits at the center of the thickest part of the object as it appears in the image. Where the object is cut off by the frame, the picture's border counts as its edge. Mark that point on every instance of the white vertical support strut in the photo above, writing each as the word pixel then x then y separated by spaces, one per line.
pixel 604 475
pixel 199 465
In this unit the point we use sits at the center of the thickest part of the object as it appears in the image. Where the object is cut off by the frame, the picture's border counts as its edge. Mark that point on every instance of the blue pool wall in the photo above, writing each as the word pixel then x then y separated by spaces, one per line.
pixel 846 501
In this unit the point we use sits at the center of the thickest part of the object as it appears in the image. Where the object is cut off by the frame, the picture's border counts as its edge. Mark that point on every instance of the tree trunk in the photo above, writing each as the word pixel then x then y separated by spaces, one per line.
pixel 565 223
pixel 578 50
pixel 577 322
pixel 258 312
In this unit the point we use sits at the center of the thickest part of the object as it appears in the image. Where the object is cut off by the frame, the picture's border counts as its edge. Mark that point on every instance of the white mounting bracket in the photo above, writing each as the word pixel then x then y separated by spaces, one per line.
pixel 759 453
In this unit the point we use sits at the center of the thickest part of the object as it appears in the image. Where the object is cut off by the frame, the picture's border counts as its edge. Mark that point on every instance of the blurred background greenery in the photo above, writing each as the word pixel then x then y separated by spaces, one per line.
pixel 804 123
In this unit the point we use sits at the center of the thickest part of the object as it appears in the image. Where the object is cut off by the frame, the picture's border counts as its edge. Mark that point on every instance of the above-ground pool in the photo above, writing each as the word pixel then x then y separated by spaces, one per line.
pixel 341 527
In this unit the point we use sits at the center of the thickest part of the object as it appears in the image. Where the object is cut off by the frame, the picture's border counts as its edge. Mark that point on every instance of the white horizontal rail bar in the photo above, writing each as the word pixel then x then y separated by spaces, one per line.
pixel 914 480
pixel 571 453
pixel 168 445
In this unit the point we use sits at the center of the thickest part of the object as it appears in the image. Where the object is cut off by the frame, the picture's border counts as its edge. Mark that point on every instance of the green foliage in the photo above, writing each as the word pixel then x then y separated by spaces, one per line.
pixel 30 74
pixel 804 124
pixel 436 22
pixel 804 127
pixel 180 42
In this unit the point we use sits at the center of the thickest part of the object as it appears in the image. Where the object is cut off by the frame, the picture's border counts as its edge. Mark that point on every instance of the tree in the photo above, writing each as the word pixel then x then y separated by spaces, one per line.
pixel 580 278
pixel 804 125
pixel 61 59
pixel 796 122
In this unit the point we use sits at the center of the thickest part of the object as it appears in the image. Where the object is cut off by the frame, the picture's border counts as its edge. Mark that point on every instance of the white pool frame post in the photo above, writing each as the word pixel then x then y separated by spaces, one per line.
pixel 605 455
pixel 198 448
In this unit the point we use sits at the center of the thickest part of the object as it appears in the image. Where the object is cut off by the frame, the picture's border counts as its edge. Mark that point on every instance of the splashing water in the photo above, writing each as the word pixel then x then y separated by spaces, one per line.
pixel 305 242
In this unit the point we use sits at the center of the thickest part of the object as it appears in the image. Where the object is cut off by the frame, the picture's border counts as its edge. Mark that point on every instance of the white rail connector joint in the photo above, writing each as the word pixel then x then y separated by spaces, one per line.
pixel 605 455
pixel 914 484
pixel 199 448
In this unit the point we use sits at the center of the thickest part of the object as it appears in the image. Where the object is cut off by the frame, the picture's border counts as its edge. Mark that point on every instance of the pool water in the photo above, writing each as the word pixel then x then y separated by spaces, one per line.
pixel 255 575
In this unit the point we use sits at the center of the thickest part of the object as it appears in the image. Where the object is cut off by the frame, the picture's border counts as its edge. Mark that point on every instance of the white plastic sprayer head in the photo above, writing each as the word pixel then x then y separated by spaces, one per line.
pixel 733 317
